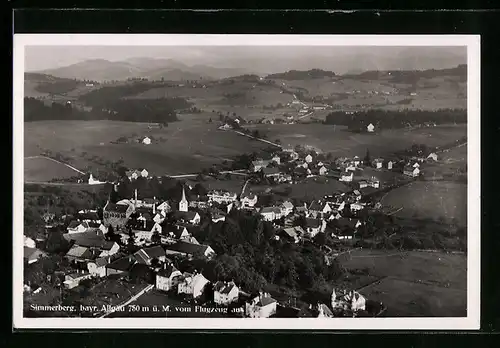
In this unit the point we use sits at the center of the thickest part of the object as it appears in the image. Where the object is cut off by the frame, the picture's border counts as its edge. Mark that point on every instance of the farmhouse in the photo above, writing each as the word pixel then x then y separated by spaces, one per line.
pixel 370 128
pixel 432 156
pixel 222 196
pixel 319 208
pixel 411 171
pixel 308 158
pixel 346 176
pixel 96 245
pixel 270 213
pixel 121 266
pixel 314 226
pixel 168 277
pixel 77 227
pixel 322 170
pixel 135 174
pixel 145 230
pixel 191 217
pixel 286 208
pixel 292 234
pixel 225 293
pixel 271 172
pixel 97 268
pixel 73 280
pixel 164 207
pixel 390 164
pixel 146 141
pixel 116 215
pixel 189 250
pixel 378 163
pixel 192 284
pixel 258 165
pixel 262 306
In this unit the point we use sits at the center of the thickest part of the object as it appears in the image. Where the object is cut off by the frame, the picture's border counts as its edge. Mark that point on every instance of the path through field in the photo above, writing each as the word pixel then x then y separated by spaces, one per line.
pixel 56 161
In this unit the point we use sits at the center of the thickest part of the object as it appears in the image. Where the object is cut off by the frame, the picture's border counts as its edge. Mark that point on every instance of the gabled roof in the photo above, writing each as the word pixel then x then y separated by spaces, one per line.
pixel 270 170
pixel 91 240
pixel 101 261
pixel 79 252
pixel 123 264
pixel 188 248
pixel 187 215
pixel 264 301
pixel 167 270
pixel 266 210
pixel 316 206
pixel 224 288
pixel 291 231
pixel 287 205
pixel 313 223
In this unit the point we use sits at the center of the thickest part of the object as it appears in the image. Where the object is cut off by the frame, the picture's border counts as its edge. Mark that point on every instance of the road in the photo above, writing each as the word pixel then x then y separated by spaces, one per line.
pixel 309 114
pixel 233 172
pixel 60 183
pixel 56 161
pixel 259 139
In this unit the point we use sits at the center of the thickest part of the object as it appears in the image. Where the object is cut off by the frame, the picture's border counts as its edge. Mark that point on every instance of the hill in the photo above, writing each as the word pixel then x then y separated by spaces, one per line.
pixel 302 75
pixel 151 68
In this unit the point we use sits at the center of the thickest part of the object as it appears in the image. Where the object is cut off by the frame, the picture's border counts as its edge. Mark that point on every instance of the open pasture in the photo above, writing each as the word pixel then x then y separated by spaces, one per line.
pixel 191 144
pixel 416 283
pixel 440 200
pixel 43 170
pixel 340 142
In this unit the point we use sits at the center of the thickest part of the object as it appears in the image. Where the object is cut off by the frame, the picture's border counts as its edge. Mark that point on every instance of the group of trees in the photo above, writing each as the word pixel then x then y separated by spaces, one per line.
pixel 395 119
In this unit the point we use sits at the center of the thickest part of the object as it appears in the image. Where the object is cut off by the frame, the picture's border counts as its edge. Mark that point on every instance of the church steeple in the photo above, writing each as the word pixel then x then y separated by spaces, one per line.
pixel 183 204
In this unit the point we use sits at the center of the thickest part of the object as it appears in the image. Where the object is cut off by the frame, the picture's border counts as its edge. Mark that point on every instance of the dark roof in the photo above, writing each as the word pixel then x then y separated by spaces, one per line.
pixel 264 301
pixel 156 251
pixel 167 270
pixel 91 215
pixel 139 226
pixel 313 223
pixel 224 288
pixel 270 170
pixel 345 222
pixel 368 190
pixel 188 248
pixel 316 206
pixel 91 240
pixel 101 261
pixel 186 215
pixel 119 208
pixel 75 223
pixel 275 210
pixel 123 264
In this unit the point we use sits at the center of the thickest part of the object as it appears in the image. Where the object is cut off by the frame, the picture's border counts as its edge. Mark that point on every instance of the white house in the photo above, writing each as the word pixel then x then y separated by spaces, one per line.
pixel 164 207
pixel 97 268
pixel 323 170
pixel 378 163
pixel 411 171
pixel 356 161
pixel 77 227
pixel 370 128
pixel 432 156
pixel 93 181
pixel 222 196
pixel 319 208
pixel 308 158
pixel 73 280
pixel 167 277
pixel 262 306
pixel 248 200
pixel 146 141
pixel 357 206
pixel 346 176
pixel 192 284
pixel 28 242
pixel 286 208
pixel 225 293
pixel 270 213
pixel 390 164
pixel 315 226
pixel 145 230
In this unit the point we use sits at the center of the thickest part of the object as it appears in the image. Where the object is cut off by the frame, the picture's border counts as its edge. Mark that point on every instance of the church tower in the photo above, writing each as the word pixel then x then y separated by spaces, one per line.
pixel 183 204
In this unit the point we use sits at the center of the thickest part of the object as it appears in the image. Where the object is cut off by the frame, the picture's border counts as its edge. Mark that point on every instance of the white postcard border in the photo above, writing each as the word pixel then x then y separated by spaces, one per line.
pixel 471 322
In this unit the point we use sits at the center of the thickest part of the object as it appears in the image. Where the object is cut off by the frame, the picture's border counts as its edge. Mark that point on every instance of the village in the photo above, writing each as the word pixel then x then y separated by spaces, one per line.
pixel 140 237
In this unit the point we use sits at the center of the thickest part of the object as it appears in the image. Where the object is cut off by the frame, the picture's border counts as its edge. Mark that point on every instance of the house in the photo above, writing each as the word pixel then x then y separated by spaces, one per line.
pixel 270 213
pixel 96 244
pixel 159 217
pixel 374 182
pixel 336 174
pixel 432 156
pixel 292 234
pixel 351 300
pixel 30 243
pixel 189 250
pixel 144 230
pixel 378 163
pixel 308 158
pixel 164 207
pixel 322 170
pixel 225 126
pixel 97 267
pixel 146 141
pixel 319 208
pixel 77 227
pixel 167 277
pixel 357 206
pixel 88 216
pixel 271 172
pixel 411 171
pixel 191 217
pixel 217 216
pixel 221 196
pixel 314 226
pixel 225 293
pixel 356 161
pixel 370 128
pixel 80 254
pixel 147 255
pixel 276 159
pixel 258 165
pixel 73 280
pixel 116 215
pixel 32 255
pixel 248 200
pixel 94 181
pixel 150 203
pixel 362 184
pixel 346 176
pixel 390 165
pixel 286 208
pixel 262 306
pixel 121 266
pixel 180 233
pixel 135 174
pixel 347 224
pixel 192 284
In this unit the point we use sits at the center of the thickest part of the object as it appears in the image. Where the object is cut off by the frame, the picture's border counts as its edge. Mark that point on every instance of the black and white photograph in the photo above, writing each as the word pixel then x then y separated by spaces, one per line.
pixel 246 181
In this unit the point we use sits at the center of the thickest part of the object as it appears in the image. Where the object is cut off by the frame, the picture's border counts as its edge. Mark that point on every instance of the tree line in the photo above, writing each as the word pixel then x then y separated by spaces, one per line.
pixel 395 119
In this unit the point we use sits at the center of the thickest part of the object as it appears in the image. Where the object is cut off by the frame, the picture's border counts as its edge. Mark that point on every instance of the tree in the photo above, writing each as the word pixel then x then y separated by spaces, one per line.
pixel 367 158
pixel 156 238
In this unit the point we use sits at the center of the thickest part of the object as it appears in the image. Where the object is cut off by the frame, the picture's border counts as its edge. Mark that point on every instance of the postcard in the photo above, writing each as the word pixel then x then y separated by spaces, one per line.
pixel 269 182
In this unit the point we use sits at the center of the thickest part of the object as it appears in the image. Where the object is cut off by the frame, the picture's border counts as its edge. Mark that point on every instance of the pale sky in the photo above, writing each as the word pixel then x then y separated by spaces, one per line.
pixel 257 57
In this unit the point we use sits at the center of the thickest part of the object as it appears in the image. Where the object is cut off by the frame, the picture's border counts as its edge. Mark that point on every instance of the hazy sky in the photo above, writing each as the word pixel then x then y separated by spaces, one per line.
pixel 291 57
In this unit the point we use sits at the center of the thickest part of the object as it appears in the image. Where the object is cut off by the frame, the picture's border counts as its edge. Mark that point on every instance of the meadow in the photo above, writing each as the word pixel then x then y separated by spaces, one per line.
pixel 414 283
pixel 190 144
pixel 341 142
pixel 446 201
pixel 43 170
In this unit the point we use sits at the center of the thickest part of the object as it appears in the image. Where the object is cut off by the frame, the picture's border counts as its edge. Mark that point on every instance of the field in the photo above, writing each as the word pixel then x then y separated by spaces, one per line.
pixel 415 283
pixel 434 200
pixel 190 144
pixel 339 141
pixel 42 170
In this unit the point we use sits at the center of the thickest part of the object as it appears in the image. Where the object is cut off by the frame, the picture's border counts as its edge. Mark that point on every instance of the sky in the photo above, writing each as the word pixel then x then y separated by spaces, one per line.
pixel 259 57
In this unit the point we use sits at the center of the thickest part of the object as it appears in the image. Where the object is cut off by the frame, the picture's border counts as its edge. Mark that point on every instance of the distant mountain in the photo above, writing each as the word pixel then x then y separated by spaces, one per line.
pixel 152 68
